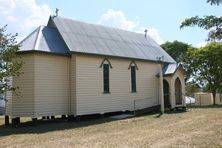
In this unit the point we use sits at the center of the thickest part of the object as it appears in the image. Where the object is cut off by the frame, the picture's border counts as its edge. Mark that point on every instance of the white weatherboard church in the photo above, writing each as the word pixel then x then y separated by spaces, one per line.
pixel 75 68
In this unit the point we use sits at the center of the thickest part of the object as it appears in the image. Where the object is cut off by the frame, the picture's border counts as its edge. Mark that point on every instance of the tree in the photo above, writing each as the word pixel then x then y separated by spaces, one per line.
pixel 177 50
pixel 206 66
pixel 10 63
pixel 214 2
pixel 191 88
pixel 211 23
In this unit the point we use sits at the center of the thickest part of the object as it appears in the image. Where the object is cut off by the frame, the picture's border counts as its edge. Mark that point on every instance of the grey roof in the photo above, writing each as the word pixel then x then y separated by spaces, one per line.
pixel 44 39
pixel 62 36
pixel 96 39
pixel 169 69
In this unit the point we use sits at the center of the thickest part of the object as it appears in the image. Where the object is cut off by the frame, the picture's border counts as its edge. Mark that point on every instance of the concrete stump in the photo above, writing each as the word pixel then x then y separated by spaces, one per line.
pixel 70 117
pixel 15 122
pixel 63 116
pixel 6 120
pixel 34 121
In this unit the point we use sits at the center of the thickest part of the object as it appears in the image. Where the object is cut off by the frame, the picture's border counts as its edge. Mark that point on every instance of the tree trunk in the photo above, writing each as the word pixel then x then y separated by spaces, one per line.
pixel 214 97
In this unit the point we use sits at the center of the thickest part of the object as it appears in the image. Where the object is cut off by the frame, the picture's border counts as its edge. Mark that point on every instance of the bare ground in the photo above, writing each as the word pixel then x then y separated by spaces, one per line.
pixel 200 127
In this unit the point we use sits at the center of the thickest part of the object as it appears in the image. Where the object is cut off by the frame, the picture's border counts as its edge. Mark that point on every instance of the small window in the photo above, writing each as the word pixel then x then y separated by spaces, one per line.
pixel 133 78
pixel 106 65
pixel 106 78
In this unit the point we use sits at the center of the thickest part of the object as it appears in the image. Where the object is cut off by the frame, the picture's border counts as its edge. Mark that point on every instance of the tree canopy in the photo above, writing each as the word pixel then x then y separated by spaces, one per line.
pixel 176 49
pixel 206 66
pixel 10 64
pixel 214 2
pixel 191 88
pixel 211 23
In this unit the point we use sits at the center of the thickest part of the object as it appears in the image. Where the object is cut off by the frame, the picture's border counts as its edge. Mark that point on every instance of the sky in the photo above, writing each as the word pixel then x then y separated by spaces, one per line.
pixel 162 18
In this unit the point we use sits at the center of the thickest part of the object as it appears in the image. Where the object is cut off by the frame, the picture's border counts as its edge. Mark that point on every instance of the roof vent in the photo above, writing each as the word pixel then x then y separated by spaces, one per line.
pixel 145 32
pixel 160 59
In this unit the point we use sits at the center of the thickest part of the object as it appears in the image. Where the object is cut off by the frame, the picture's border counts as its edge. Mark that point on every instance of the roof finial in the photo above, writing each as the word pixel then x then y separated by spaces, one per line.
pixel 145 32
pixel 57 10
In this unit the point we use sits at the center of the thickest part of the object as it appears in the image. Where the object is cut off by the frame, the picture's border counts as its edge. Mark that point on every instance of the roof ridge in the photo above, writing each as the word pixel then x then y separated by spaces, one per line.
pixel 28 36
pixel 36 44
pixel 100 25
pixel 44 39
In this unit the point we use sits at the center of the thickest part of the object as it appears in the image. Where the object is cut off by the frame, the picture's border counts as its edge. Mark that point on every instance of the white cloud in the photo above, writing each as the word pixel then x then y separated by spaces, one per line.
pixel 201 44
pixel 153 32
pixel 23 16
pixel 118 19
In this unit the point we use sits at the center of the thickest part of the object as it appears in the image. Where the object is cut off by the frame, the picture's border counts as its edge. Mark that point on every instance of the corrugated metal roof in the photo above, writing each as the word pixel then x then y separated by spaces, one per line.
pixel 44 39
pixel 96 39
pixel 169 69
pixel 63 36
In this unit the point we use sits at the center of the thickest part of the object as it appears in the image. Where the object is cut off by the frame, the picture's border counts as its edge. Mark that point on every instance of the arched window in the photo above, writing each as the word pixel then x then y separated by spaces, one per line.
pixel 166 93
pixel 133 63
pixel 133 67
pixel 106 65
pixel 178 91
pixel 105 61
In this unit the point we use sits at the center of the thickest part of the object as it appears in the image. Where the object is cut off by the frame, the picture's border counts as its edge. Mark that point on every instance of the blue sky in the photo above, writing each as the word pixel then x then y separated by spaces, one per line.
pixel 162 18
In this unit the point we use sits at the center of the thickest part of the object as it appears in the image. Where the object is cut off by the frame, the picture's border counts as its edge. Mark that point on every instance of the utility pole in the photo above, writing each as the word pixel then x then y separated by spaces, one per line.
pixel 160 60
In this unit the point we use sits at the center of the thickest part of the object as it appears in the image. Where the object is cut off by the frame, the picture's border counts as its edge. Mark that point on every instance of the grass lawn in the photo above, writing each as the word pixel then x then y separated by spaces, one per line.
pixel 200 127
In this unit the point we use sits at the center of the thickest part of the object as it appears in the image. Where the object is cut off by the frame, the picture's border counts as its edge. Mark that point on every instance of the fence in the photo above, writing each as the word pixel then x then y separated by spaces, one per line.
pixel 207 98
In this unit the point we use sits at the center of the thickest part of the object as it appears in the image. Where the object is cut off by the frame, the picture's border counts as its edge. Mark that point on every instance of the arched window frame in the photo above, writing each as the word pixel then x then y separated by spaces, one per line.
pixel 131 64
pixel 106 83
pixel 180 91
pixel 133 75
pixel 106 60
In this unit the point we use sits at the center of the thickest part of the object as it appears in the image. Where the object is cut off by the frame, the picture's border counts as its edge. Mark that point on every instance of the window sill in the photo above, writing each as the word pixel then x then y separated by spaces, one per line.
pixel 106 92
pixel 133 91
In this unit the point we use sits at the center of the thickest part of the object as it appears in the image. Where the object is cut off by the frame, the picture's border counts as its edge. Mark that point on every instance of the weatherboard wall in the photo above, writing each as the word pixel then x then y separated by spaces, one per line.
pixel 72 105
pixel 44 87
pixel 91 99
pixel 21 102
pixel 57 85
pixel 52 85
pixel 8 103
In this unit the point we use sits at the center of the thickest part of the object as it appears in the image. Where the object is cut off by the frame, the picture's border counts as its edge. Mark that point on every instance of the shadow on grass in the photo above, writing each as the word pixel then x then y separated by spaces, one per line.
pixel 155 114
pixel 44 126
pixel 159 115
pixel 49 125
pixel 171 112
pixel 178 111
pixel 205 106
